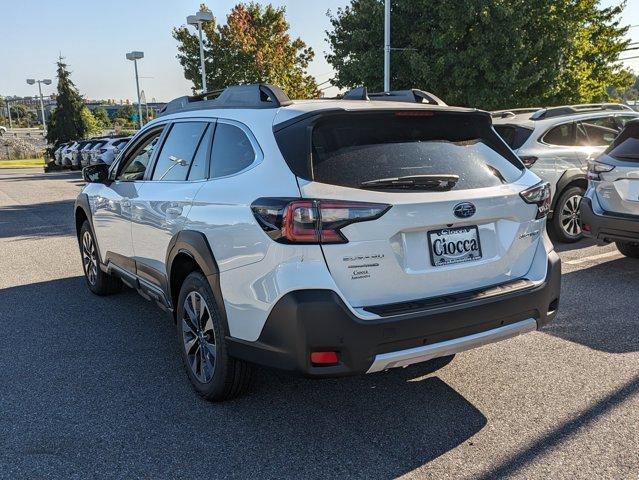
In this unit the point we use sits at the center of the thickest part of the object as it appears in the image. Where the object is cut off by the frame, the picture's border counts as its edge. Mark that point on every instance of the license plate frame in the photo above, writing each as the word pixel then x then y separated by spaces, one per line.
pixel 437 260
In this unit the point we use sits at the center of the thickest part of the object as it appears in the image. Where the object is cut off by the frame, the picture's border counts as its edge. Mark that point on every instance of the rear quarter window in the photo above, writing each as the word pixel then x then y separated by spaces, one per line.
pixel 514 135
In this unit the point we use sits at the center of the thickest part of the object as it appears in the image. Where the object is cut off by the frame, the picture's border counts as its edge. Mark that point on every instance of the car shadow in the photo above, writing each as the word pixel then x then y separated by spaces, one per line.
pixel 71 176
pixel 612 307
pixel 93 383
pixel 567 247
pixel 46 219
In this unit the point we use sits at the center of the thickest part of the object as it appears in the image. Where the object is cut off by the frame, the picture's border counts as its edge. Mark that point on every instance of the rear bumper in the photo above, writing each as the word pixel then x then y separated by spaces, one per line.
pixel 305 321
pixel 606 227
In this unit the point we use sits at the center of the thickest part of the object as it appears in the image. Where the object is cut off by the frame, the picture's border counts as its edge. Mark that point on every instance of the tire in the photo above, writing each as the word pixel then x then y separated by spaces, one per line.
pixel 98 281
pixel 201 334
pixel 565 220
pixel 628 249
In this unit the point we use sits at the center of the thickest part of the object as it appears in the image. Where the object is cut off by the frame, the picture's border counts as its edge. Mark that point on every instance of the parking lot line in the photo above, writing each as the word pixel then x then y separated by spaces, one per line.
pixel 592 258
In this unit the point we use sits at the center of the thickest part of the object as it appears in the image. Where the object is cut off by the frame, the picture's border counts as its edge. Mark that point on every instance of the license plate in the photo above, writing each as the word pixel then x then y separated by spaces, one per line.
pixel 454 245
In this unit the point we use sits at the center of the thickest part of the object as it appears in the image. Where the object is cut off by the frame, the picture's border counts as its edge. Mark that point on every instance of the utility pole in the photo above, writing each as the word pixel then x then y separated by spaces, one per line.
pixel 387 44
pixel 46 81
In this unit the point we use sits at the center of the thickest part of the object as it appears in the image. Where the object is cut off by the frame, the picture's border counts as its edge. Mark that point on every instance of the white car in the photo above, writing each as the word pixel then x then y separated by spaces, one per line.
pixel 107 152
pixel 66 155
pixel 57 154
pixel 610 208
pixel 328 237
pixel 556 143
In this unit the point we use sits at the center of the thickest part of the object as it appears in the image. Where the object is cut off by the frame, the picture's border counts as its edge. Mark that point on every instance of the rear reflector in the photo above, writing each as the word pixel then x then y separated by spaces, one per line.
pixel 586 227
pixel 324 358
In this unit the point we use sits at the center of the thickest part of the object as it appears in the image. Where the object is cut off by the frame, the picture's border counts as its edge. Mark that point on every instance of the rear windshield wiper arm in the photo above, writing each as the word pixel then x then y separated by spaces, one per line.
pixel 633 156
pixel 414 182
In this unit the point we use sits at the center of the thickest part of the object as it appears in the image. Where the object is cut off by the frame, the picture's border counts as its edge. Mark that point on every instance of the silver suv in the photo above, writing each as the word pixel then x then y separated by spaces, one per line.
pixel 557 143
pixel 610 208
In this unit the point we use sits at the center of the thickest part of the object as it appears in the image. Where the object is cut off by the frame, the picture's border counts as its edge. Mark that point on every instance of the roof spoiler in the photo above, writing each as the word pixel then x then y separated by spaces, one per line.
pixel 408 96
pixel 258 95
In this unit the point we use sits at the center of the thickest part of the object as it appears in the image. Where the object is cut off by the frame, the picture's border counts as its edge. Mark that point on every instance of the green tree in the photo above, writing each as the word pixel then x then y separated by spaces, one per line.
pixel 23 116
pixel 484 53
pixel 68 121
pixel 125 115
pixel 254 46
pixel 102 117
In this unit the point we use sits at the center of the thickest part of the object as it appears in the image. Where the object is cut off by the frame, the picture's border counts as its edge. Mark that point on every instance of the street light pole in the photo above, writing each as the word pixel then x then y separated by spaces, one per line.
pixel 46 81
pixel 135 56
pixel 387 44
pixel 197 20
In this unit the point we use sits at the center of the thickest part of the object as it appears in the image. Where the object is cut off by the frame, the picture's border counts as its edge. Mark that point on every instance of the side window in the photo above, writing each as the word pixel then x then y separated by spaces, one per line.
pixel 599 131
pixel 199 166
pixel 138 159
pixel 623 119
pixel 178 150
pixel 560 135
pixel 232 151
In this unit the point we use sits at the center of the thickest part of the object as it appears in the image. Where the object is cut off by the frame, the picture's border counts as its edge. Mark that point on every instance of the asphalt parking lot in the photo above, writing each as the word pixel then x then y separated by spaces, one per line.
pixel 94 387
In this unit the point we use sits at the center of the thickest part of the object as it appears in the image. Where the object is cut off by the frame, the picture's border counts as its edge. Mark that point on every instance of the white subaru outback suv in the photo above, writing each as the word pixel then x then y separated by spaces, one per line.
pixel 328 237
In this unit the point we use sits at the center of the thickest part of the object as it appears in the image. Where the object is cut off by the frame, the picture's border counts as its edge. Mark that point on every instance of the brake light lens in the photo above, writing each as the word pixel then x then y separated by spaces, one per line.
pixel 596 168
pixel 538 195
pixel 288 220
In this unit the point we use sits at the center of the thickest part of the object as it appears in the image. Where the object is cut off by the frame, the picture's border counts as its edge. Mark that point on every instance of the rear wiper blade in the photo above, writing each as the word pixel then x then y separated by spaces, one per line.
pixel 626 155
pixel 414 182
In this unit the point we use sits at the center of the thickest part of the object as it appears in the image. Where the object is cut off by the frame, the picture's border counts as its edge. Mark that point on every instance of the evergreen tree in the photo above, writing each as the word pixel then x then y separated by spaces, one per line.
pixel 68 122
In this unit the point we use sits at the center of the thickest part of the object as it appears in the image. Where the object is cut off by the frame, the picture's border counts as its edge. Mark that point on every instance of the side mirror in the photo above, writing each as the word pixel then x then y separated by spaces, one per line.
pixel 98 173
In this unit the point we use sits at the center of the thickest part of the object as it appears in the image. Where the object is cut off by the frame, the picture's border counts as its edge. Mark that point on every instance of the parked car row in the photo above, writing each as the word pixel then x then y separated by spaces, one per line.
pixel 557 143
pixel 76 155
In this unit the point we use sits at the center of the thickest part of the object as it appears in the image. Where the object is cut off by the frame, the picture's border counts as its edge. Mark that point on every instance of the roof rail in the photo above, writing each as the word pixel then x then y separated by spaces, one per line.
pixel 512 112
pixel 551 112
pixel 258 95
pixel 409 96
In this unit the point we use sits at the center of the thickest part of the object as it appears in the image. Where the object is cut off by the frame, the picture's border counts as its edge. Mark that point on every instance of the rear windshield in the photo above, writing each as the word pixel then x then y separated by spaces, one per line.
pixel 626 145
pixel 514 135
pixel 350 149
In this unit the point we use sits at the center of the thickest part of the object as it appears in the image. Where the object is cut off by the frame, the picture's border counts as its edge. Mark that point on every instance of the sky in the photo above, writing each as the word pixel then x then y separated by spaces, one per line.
pixel 94 36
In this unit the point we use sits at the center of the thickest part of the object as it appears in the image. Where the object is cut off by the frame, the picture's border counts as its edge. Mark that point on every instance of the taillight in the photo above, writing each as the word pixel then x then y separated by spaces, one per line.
pixel 288 220
pixel 528 160
pixel 596 168
pixel 538 195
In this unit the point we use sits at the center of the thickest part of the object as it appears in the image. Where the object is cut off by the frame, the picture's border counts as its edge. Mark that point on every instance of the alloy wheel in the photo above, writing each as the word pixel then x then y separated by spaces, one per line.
pixel 569 216
pixel 198 337
pixel 89 258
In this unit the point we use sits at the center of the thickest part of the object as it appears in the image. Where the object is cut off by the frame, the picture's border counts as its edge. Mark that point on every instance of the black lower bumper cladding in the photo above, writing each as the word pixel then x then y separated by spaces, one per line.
pixel 305 321
pixel 607 227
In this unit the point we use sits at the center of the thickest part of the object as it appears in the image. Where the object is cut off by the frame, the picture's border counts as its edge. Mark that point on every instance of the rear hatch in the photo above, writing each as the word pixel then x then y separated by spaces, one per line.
pixel 450 217
pixel 618 188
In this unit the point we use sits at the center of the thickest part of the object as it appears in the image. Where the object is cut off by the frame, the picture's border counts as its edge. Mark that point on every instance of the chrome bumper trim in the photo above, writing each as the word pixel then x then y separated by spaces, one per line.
pixel 403 358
